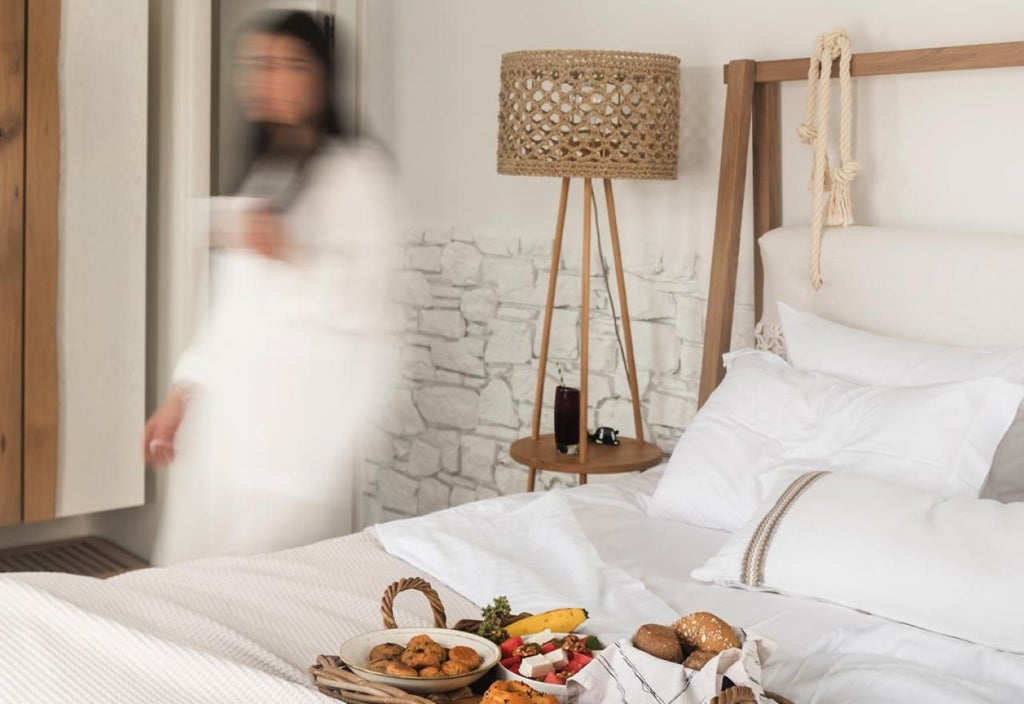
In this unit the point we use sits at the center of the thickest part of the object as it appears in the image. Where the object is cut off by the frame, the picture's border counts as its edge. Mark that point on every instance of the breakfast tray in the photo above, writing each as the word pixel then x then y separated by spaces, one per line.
pixel 333 678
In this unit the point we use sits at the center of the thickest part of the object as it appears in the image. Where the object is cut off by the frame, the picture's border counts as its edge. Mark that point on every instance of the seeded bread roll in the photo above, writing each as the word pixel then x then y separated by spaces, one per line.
pixel 660 641
pixel 704 631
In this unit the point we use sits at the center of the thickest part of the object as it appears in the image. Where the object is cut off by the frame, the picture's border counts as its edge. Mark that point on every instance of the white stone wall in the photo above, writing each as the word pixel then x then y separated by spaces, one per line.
pixel 474 312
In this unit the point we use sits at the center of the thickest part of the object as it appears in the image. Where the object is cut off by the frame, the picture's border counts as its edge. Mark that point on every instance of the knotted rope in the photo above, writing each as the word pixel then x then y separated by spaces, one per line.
pixel 814 131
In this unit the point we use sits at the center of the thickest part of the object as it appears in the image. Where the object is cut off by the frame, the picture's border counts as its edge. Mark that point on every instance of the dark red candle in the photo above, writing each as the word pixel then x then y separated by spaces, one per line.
pixel 567 419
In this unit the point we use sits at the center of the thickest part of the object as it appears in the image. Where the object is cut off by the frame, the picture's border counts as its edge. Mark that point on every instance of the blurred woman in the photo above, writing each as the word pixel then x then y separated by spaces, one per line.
pixel 268 404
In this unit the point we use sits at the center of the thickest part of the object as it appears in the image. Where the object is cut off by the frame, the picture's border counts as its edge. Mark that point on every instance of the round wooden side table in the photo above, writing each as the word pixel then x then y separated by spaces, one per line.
pixel 630 455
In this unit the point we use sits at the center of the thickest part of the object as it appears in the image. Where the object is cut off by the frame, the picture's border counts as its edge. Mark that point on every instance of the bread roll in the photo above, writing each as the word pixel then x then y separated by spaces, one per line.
pixel 704 631
pixel 660 641
pixel 698 659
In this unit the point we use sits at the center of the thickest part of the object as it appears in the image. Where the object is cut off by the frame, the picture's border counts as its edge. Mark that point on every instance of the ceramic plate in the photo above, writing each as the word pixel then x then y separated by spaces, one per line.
pixel 355 652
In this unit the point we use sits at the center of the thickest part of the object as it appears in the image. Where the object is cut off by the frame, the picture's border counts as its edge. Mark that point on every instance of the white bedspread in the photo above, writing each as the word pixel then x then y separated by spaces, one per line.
pixel 246 629
pixel 534 552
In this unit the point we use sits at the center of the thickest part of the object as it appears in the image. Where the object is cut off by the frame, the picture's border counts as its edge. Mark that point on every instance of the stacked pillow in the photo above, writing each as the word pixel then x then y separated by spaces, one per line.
pixel 824 346
pixel 865 446
pixel 925 415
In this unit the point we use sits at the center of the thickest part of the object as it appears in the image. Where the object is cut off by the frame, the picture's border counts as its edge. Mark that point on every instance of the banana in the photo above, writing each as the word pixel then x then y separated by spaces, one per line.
pixel 557 621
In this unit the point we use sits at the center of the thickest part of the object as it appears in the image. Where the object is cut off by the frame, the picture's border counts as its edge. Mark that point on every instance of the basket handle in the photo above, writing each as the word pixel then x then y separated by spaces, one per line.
pixel 387 602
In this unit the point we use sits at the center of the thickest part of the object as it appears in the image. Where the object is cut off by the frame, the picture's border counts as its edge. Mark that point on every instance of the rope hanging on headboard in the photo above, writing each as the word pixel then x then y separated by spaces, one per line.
pixel 814 131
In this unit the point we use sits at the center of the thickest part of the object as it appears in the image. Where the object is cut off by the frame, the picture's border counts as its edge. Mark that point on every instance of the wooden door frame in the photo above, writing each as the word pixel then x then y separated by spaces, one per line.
pixel 41 402
pixel 12 238
pixel 30 182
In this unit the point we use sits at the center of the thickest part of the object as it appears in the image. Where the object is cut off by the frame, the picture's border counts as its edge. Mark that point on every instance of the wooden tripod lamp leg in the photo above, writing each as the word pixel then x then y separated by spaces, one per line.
pixel 588 199
pixel 627 331
pixel 545 339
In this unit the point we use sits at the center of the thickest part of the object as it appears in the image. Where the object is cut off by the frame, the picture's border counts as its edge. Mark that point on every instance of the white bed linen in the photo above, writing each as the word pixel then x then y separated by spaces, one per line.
pixel 198 631
pixel 534 551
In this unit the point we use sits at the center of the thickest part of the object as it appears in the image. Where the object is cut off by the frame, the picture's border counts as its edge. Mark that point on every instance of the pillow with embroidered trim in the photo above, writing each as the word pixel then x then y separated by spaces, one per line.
pixel 766 413
pixel 946 564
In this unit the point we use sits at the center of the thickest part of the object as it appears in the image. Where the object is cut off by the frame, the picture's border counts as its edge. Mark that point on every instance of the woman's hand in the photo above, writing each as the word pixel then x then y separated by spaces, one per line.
pixel 162 426
pixel 264 234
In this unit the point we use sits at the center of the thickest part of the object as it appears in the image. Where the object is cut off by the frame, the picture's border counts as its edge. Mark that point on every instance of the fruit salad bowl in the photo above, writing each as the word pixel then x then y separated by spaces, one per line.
pixel 546 660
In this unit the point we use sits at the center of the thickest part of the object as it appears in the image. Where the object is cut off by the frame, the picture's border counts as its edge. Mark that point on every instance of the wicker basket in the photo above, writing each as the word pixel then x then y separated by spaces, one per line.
pixel 333 678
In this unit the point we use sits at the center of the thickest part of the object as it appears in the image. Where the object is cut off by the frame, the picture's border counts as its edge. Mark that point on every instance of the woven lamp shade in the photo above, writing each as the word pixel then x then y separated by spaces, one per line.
pixel 589 114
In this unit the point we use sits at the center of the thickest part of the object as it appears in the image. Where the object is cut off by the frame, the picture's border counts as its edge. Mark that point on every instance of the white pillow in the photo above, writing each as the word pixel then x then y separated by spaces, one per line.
pixel 766 414
pixel 816 344
pixel 820 345
pixel 950 565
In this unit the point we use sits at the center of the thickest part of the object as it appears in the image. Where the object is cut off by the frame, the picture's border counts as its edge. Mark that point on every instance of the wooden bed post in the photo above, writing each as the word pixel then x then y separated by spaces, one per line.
pixel 725 253
pixel 767 149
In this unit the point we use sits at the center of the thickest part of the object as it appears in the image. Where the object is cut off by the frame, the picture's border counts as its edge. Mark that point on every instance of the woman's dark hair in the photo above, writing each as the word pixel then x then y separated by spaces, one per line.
pixel 303 27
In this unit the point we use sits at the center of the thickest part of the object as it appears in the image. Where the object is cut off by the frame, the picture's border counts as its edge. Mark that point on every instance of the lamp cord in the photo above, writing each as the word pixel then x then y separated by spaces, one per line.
pixel 608 286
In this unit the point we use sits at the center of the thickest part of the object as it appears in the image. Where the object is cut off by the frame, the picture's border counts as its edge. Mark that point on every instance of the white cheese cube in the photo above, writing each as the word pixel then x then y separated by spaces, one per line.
pixel 535 666
pixel 539 638
pixel 558 658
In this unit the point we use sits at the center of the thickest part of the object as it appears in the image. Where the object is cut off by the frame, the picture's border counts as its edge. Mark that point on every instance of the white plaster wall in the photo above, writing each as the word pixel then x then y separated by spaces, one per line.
pixel 936 148
pixel 102 290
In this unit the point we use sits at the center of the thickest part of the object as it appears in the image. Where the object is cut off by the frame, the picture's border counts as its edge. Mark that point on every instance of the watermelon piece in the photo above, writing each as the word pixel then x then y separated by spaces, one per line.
pixel 509 646
pixel 511 661
pixel 548 647
pixel 552 678
pixel 579 660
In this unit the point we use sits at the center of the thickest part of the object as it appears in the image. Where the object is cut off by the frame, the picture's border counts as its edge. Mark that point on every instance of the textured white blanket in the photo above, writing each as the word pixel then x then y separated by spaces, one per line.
pixel 220 630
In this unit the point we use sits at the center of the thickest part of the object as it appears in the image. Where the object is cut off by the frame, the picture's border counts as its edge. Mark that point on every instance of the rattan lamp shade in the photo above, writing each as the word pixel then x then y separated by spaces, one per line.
pixel 589 114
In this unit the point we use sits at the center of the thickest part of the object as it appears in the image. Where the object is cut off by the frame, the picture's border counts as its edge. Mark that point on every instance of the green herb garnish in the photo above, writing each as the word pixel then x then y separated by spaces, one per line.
pixel 492 627
pixel 593 643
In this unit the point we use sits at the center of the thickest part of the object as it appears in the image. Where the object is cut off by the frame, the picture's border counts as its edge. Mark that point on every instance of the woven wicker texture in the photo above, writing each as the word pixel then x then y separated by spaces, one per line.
pixel 331 676
pixel 591 114
pixel 387 602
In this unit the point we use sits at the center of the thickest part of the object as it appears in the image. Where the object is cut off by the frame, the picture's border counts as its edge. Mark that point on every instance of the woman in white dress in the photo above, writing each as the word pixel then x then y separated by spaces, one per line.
pixel 268 404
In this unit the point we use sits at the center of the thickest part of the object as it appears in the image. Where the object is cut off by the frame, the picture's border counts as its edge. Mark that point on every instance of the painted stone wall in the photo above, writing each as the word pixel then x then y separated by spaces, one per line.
pixel 469 358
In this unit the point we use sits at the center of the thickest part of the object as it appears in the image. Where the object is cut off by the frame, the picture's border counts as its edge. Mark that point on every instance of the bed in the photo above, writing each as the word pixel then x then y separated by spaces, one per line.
pixel 246 628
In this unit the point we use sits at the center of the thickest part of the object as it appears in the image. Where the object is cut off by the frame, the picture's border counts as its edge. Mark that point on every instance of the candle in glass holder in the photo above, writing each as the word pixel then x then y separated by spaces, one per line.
pixel 567 420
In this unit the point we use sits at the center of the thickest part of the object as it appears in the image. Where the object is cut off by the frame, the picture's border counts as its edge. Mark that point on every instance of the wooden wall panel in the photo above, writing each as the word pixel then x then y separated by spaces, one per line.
pixel 12 189
pixel 42 184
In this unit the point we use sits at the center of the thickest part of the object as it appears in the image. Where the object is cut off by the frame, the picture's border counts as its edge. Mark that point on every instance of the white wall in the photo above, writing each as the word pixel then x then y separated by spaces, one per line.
pixel 937 149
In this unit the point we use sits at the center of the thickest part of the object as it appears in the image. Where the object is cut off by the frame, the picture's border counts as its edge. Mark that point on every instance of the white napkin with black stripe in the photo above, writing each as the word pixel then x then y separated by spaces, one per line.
pixel 622 673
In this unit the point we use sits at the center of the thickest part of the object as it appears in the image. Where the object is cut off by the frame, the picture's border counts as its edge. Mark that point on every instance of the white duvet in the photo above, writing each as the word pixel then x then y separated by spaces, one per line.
pixel 246 629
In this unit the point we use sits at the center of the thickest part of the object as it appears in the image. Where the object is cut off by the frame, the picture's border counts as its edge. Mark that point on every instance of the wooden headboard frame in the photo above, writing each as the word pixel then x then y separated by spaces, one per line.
pixel 752 106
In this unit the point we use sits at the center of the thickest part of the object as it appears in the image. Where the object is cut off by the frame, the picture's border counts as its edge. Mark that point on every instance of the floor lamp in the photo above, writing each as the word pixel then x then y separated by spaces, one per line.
pixel 588 115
